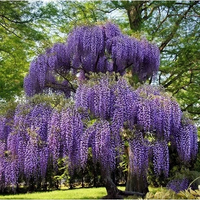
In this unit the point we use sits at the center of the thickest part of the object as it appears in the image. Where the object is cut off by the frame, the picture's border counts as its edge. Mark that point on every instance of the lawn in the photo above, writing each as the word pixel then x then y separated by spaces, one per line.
pixel 81 193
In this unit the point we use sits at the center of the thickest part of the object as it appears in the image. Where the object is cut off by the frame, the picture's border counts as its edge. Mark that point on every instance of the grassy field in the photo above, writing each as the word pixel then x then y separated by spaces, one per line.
pixel 79 193
pixel 82 193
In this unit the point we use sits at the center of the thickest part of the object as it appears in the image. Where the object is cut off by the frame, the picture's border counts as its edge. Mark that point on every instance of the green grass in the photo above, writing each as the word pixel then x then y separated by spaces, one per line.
pixel 80 193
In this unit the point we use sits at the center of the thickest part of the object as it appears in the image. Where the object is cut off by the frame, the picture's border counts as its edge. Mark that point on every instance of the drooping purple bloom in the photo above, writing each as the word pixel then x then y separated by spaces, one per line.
pixel 71 132
pixel 161 158
pixel 186 142
pixel 31 85
pixel 2 127
pixel 100 140
pixel 43 161
pixel 54 139
pixel 11 173
pixel 84 145
pixel 139 149
pixel 101 48
pixel 156 112
pixel 40 118
pixel 31 161
pixel 178 185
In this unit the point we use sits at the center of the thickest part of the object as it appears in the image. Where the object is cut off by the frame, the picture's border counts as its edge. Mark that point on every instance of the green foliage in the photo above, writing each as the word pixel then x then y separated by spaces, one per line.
pixel 57 101
pixel 162 194
pixel 7 108
pixel 63 173
pixel 24 34
pixel 169 194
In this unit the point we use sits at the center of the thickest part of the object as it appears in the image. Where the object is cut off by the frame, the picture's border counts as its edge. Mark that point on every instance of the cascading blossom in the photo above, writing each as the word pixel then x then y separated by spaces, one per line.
pixel 138 155
pixel 71 131
pixel 101 48
pixel 161 158
pixel 186 141
pixel 157 112
pixel 147 109
pixel 54 138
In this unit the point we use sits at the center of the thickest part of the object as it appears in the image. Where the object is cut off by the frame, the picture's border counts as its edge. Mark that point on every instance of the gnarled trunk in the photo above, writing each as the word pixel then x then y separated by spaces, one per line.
pixel 111 188
pixel 134 12
pixel 112 191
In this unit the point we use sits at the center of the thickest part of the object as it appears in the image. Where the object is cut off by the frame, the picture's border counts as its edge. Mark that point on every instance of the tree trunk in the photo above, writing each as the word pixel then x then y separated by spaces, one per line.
pixel 111 188
pixel 136 182
pixel 112 191
pixel 135 15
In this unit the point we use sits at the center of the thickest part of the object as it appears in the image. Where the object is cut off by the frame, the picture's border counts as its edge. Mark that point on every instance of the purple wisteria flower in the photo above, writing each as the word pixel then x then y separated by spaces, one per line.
pixel 101 48
pixel 178 185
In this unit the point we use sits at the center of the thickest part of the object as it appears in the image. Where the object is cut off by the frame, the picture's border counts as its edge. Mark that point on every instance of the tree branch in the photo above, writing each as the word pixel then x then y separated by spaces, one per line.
pixel 106 11
pixel 173 79
pixel 56 86
pixel 162 21
pixel 16 22
pixel 9 30
pixel 175 27
pixel 151 12
pixel 185 85
pixel 134 11
pixel 194 112
pixel 188 106
pixel 198 13
pixel 71 86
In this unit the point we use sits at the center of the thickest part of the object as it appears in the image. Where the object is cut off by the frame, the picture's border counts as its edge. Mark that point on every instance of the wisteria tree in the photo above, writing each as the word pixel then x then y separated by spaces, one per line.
pixel 106 114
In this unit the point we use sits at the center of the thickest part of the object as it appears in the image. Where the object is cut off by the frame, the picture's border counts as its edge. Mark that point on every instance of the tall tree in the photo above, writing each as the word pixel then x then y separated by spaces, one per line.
pixel 22 26
pixel 149 120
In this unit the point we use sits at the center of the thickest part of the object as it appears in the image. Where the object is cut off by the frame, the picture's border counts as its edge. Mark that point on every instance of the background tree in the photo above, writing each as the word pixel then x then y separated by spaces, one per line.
pixel 24 32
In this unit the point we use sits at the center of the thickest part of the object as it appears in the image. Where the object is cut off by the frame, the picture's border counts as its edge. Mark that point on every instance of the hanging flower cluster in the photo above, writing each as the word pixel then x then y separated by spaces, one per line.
pixel 42 73
pixel 161 158
pixel 186 141
pixel 138 156
pixel 99 137
pixel 149 113
pixel 39 135
pixel 158 112
pixel 100 48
